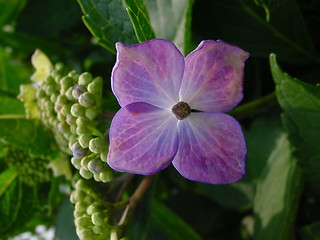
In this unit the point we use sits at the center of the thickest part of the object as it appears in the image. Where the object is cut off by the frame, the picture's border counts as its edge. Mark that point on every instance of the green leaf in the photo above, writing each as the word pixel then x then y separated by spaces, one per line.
pixel 10 10
pixel 169 224
pixel 108 22
pixel 139 17
pixel 301 105
pixel 277 194
pixel 10 107
pixel 244 23
pixel 6 179
pixel 171 20
pixel 27 135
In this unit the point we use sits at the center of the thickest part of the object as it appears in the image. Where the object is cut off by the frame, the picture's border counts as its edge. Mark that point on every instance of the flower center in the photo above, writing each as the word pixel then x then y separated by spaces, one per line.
pixel 181 110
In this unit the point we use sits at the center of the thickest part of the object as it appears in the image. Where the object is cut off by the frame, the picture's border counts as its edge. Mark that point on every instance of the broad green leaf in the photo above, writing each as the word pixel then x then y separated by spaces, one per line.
pixel 301 105
pixel 277 195
pixel 6 179
pixel 170 225
pixel 28 136
pixel 236 195
pixel 10 107
pixel 108 22
pixel 244 23
pixel 10 11
pixel 139 16
pixel 171 20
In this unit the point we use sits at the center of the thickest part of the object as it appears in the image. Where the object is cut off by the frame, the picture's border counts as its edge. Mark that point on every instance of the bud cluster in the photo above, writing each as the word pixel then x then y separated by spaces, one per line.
pixel 93 215
pixel 31 171
pixel 69 103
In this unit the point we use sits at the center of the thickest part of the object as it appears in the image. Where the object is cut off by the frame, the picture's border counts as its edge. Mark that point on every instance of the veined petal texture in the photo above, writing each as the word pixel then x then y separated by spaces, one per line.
pixel 149 72
pixel 211 148
pixel 143 139
pixel 213 77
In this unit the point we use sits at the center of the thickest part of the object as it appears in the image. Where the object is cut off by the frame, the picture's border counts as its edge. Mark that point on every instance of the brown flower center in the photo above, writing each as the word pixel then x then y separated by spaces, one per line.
pixel 181 110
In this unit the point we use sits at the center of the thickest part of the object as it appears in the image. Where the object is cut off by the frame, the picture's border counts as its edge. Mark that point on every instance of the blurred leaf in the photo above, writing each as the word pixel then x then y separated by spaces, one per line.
pixel 108 22
pixel 6 179
pixel 171 20
pixel 49 17
pixel 170 225
pixel 27 135
pixel 277 194
pixel 311 231
pixel 10 10
pixel 244 23
pixel 65 228
pixel 139 17
pixel 261 140
pixel 301 105
pixel 10 106
pixel 12 73
pixel 237 195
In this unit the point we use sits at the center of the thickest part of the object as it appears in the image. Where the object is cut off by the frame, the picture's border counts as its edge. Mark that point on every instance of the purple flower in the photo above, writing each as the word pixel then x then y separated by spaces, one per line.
pixel 172 110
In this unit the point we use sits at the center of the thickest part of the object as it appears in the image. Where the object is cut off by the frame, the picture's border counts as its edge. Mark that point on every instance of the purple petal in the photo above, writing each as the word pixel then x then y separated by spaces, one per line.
pixel 149 72
pixel 143 139
pixel 212 148
pixel 213 76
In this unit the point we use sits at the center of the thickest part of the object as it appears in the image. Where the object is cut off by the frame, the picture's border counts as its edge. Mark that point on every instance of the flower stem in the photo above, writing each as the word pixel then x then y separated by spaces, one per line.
pixel 136 197
pixel 257 106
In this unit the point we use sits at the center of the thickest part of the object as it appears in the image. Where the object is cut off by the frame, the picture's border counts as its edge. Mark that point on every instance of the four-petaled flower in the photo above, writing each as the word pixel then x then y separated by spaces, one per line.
pixel 173 110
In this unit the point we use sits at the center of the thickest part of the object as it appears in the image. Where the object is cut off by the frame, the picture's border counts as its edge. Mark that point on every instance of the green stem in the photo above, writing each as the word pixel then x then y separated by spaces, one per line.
pixel 252 108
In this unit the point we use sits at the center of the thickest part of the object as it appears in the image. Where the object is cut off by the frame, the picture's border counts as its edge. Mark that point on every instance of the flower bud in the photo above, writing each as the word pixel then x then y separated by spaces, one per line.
pixel 82 130
pixel 61 100
pixel 96 177
pixel 104 156
pixel 85 173
pixel 95 165
pixel 65 110
pixel 67 82
pixel 77 91
pixel 71 120
pixel 106 176
pixel 63 127
pixel 82 121
pixel 93 208
pixel 95 87
pixel 78 151
pixel 84 162
pixel 53 98
pixel 98 145
pixel 86 234
pixel 88 199
pixel 77 110
pixel 87 100
pixel 97 229
pixel 84 140
pixel 69 94
pixel 40 94
pixel 73 74
pixel 85 78
pixel 80 206
pixel 91 113
pixel 97 219
pixel 76 162
pixel 83 222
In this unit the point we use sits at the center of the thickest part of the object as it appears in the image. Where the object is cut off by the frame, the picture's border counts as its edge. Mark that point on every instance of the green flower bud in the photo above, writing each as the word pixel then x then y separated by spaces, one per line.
pixel 85 173
pixel 76 162
pixel 67 82
pixel 71 120
pixel 96 177
pixel 77 214
pixel 93 208
pixel 97 219
pixel 63 127
pixel 80 206
pixel 95 87
pixel 91 113
pixel 82 130
pixel 77 91
pixel 77 110
pixel 86 234
pixel 65 110
pixel 95 165
pixel 84 140
pixel 85 78
pixel 83 222
pixel 88 200
pixel 104 156
pixel 106 176
pixel 77 196
pixel 73 129
pixel 98 145
pixel 41 94
pixel 78 151
pixel 87 99
pixel 50 89
pixel 97 229
pixel 82 121
pixel 49 106
pixel 69 94
pixel 84 162
pixel 53 98
pixel 61 117
pixel 73 74
pixel 61 100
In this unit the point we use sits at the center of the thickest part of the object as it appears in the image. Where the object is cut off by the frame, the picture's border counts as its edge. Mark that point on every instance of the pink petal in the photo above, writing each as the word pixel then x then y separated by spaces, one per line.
pixel 213 76
pixel 143 139
pixel 148 72
pixel 211 148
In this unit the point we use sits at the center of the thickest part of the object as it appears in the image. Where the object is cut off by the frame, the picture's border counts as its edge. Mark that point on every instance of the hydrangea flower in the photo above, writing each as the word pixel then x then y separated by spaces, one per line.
pixel 172 110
